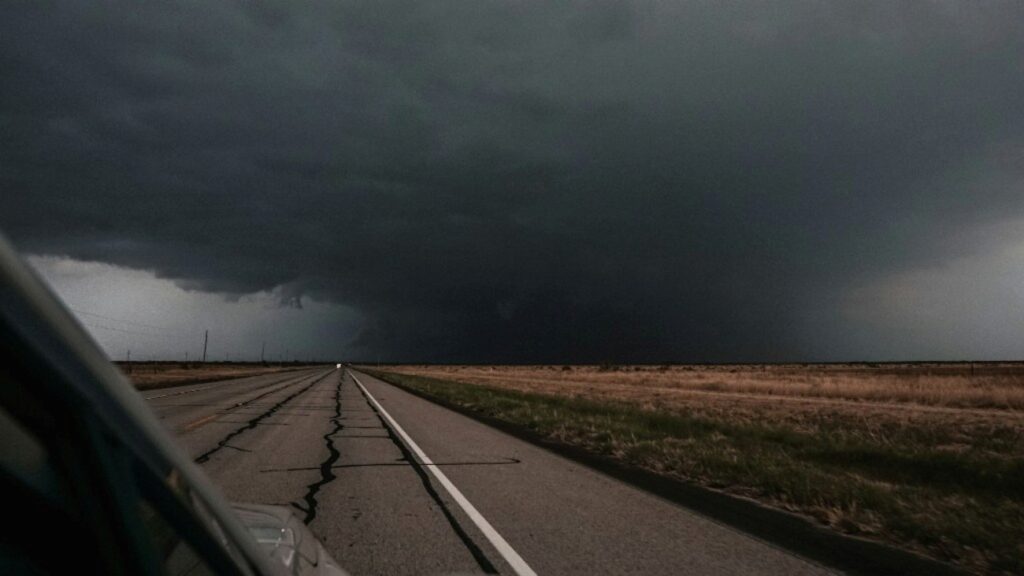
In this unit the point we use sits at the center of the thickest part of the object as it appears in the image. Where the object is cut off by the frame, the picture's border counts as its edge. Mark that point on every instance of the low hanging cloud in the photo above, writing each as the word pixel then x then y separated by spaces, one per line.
pixel 491 181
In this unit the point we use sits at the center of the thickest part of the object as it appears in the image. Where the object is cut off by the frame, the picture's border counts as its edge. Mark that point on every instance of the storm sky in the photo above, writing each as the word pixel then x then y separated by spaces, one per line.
pixel 523 181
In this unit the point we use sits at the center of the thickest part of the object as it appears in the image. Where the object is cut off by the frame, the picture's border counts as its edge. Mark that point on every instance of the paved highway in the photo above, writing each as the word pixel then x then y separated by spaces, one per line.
pixel 393 484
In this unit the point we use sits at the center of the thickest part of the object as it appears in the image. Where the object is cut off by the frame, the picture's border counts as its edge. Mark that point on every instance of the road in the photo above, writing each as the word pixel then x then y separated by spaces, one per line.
pixel 393 484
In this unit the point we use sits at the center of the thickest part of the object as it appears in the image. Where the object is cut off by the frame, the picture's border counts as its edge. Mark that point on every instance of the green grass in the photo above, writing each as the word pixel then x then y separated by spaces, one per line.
pixel 893 484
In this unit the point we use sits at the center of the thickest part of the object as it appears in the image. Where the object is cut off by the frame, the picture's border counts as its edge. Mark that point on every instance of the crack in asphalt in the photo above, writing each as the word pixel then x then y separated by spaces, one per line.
pixel 221 385
pixel 237 448
pixel 407 455
pixel 327 466
pixel 219 421
pixel 238 405
pixel 399 462
pixel 253 422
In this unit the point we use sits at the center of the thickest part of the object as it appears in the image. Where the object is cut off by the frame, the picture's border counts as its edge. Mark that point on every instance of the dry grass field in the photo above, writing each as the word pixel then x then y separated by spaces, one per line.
pixel 928 457
pixel 149 375
pixel 988 386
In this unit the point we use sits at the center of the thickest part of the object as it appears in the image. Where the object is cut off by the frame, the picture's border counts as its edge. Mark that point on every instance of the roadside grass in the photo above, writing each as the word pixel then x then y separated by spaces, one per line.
pixel 891 481
pixel 989 385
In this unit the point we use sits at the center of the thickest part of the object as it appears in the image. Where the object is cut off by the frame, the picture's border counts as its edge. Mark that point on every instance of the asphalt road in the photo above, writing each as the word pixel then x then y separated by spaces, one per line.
pixel 393 484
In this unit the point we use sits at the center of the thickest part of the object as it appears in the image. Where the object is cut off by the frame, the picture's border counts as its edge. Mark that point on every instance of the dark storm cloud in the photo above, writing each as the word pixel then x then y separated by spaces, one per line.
pixel 517 181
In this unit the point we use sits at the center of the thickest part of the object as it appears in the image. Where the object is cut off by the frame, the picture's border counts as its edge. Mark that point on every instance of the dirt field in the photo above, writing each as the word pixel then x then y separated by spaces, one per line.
pixel 149 375
pixel 925 456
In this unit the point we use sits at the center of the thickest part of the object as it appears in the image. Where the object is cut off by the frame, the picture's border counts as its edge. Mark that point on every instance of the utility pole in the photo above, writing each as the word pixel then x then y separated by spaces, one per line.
pixel 128 360
pixel 262 350
pixel 206 338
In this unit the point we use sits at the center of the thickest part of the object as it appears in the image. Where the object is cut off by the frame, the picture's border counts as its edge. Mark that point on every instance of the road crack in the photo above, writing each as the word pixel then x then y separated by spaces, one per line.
pixel 237 448
pixel 253 422
pixel 407 455
pixel 327 474
pixel 237 405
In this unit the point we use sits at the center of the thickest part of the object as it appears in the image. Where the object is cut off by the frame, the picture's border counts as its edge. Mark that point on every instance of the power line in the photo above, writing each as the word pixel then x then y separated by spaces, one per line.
pixel 136 332
pixel 163 332
pixel 117 319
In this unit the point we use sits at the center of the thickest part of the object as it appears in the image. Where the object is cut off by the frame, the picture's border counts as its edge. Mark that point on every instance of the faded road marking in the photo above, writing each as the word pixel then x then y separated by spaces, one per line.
pixel 197 423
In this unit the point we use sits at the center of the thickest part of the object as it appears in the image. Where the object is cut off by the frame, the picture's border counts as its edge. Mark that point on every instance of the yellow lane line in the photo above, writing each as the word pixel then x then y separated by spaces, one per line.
pixel 197 423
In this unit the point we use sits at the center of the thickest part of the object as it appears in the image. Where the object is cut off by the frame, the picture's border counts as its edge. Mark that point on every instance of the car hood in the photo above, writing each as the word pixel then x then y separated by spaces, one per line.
pixel 284 537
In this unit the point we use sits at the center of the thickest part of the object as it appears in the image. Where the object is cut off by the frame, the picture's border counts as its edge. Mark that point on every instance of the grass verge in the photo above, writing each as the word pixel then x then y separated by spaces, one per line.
pixel 891 483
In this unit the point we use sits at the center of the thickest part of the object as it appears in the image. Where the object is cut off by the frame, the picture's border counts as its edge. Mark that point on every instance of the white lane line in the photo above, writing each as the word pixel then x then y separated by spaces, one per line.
pixel 507 552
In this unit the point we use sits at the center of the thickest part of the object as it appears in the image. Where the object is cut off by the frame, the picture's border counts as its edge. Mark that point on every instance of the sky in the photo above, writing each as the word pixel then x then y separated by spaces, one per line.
pixel 484 181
